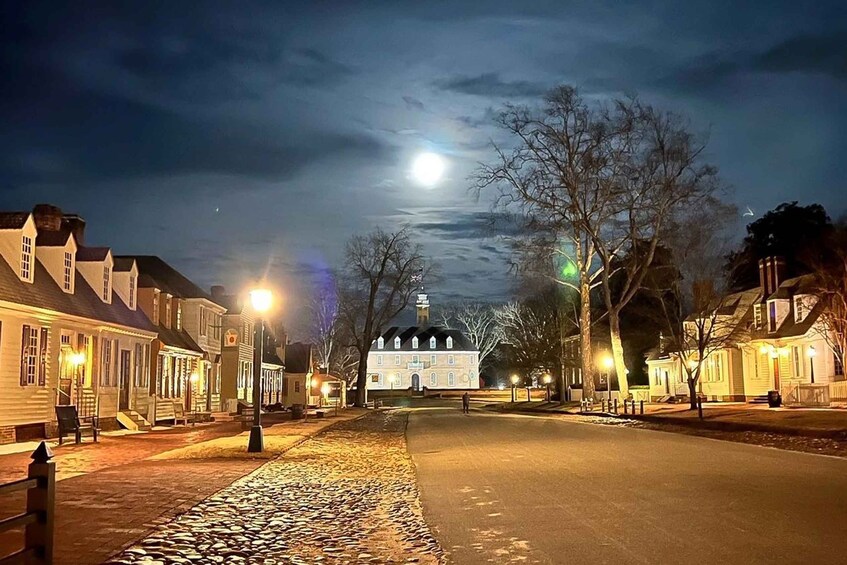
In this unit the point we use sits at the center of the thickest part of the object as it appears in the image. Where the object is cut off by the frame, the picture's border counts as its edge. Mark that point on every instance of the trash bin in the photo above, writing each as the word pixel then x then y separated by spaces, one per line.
pixel 774 399
pixel 297 411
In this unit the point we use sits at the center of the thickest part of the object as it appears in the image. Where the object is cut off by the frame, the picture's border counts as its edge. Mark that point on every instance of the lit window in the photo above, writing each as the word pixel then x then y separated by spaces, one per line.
pixel 449 343
pixel 69 267
pixel 26 258
pixel 107 290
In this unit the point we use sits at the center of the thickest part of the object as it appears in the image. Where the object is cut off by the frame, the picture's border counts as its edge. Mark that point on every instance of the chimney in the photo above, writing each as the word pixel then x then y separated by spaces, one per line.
pixel 218 291
pixel 76 225
pixel 47 217
pixel 771 274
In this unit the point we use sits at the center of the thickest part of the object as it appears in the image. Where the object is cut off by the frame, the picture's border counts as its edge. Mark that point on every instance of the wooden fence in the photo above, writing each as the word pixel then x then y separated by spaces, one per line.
pixel 37 519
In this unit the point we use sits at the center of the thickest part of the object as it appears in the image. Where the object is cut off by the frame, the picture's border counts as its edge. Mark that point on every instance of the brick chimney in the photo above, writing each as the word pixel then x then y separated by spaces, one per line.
pixel 771 274
pixel 47 217
pixel 218 291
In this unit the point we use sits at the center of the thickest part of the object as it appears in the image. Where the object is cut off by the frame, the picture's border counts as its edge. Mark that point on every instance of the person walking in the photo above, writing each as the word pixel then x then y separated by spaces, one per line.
pixel 466 403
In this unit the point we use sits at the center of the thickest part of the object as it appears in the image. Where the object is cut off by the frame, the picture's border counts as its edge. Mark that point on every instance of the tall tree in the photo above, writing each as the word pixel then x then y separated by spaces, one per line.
pixel 376 284
pixel 828 265
pixel 324 327
pixel 531 334
pixel 790 231
pixel 478 321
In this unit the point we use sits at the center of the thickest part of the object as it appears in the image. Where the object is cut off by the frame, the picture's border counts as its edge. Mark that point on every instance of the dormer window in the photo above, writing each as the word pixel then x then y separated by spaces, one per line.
pixel 107 284
pixel 757 316
pixel 432 342
pixel 799 309
pixel 415 342
pixel 772 316
pixel 396 343
pixel 449 342
pixel 179 316
pixel 26 258
pixel 68 266
pixel 380 343
pixel 132 292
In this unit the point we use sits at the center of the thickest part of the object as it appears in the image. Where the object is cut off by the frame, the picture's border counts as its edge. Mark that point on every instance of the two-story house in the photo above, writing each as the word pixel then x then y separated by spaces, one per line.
pixel 422 356
pixel 237 349
pixel 70 329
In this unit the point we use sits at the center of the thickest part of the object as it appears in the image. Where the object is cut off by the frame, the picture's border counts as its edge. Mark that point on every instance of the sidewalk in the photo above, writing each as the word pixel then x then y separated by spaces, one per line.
pixel 113 493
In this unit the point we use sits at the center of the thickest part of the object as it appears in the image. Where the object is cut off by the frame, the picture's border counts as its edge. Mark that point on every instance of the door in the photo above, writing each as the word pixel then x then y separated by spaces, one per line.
pixel 416 382
pixel 123 380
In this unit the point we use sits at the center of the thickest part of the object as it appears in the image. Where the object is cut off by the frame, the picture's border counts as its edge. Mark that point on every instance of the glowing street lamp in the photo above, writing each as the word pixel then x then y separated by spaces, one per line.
pixel 261 299
pixel 515 380
pixel 325 393
pixel 608 363
pixel 547 380
pixel 812 354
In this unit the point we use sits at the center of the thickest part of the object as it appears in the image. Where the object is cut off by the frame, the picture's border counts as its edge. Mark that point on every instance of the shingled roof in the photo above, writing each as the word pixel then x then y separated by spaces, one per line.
pixel 156 273
pixel 13 220
pixel 298 358
pixel 52 239
pixel 92 253
pixel 424 333
pixel 44 293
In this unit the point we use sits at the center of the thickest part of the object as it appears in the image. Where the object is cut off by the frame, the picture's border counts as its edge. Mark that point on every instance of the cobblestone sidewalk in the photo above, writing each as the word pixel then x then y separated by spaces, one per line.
pixel 348 496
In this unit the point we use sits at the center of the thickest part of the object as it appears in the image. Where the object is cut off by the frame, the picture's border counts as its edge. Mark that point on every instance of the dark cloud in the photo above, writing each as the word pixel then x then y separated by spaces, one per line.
pixel 413 103
pixel 491 85
pixel 825 54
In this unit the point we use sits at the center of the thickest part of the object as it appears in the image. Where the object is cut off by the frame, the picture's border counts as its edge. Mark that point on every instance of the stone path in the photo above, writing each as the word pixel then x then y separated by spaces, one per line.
pixel 348 496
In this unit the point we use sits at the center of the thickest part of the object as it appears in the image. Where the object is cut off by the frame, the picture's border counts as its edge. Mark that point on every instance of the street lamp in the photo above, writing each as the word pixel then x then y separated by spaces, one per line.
pixel 608 363
pixel 812 354
pixel 515 380
pixel 547 380
pixel 261 299
pixel 325 392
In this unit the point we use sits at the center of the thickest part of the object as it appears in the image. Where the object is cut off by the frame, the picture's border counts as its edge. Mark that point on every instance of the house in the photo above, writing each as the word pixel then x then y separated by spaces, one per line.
pixel 332 389
pixel 186 354
pixel 422 356
pixel 71 332
pixel 237 349
pixel 272 370
pixel 605 377
pixel 775 343
pixel 299 368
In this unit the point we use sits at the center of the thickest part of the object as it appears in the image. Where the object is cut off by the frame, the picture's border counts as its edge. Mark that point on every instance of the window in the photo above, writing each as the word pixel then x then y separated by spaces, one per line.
pixel 155 308
pixel 396 359
pixel 179 315
pixel 380 343
pixel 132 292
pixel 772 316
pixel 657 376
pixel 432 360
pixel 757 316
pixel 416 359
pixel 106 363
pixel 107 288
pixel 138 366
pixel 415 342
pixel 451 379
pixel 379 359
pixel 245 331
pixel 433 379
pixel 449 343
pixel 33 356
pixel 432 342
pixel 296 386
pixel 795 353
pixel 396 343
pixel 26 258
pixel 69 268
pixel 839 366
pixel 451 360
pixel 799 312
pixel 202 321
pixel 380 379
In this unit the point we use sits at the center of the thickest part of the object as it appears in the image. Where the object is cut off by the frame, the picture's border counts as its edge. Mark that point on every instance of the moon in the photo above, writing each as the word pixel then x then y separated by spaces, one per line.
pixel 428 168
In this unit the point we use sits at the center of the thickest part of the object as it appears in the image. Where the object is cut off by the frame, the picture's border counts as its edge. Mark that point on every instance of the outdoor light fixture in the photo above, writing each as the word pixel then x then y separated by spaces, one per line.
pixel 812 354
pixel 515 379
pixel 608 362
pixel 194 377
pixel 77 359
pixel 548 379
pixel 812 351
pixel 261 299
pixel 763 349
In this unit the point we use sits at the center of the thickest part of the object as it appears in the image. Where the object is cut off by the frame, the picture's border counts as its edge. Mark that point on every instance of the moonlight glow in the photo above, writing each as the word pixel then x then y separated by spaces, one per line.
pixel 428 168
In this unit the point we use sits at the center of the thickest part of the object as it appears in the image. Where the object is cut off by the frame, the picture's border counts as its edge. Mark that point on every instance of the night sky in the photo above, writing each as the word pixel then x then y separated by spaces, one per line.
pixel 233 137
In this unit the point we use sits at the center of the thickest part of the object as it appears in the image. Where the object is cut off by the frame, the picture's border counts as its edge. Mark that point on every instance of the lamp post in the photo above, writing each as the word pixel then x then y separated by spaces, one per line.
pixel 608 363
pixel 547 380
pixel 515 388
pixel 261 300
pixel 325 393
pixel 812 354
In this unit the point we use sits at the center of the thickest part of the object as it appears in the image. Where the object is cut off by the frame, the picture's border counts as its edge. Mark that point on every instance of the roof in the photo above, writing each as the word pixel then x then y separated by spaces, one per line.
pixel 298 358
pixel 92 253
pixel 156 273
pixel 13 220
pixel 790 328
pixel 424 333
pixel 43 292
pixel 270 357
pixel 178 338
pixel 232 303
pixel 52 238
pixel 123 264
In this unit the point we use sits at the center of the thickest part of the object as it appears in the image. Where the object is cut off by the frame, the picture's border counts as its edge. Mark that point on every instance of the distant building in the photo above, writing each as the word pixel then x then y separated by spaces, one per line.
pixel 422 356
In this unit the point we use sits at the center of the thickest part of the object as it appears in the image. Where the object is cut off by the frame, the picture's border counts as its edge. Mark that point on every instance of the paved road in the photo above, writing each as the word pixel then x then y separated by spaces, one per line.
pixel 509 488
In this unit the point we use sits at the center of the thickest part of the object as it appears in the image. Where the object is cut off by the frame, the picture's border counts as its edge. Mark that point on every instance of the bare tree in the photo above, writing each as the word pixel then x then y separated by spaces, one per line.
pixel 829 288
pixel 531 333
pixel 376 284
pixel 478 321
pixel 596 186
pixel 324 326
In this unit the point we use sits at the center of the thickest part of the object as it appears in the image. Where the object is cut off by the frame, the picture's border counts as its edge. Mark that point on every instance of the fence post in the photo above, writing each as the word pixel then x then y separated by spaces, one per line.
pixel 700 408
pixel 625 407
pixel 633 407
pixel 41 499
pixel 616 406
pixel 642 407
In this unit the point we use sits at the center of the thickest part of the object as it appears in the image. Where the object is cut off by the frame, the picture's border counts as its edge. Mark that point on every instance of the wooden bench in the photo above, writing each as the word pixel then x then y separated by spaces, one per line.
pixel 180 415
pixel 68 420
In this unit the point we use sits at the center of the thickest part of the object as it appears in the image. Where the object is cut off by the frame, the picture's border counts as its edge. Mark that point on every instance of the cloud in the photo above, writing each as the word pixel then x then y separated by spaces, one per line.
pixel 491 85
pixel 825 54
pixel 413 103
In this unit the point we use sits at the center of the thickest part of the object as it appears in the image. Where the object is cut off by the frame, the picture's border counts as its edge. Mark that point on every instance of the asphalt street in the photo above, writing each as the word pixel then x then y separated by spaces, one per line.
pixel 508 488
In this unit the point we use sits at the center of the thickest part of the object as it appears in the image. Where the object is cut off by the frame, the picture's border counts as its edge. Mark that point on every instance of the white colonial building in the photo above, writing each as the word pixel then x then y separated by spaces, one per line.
pixel 422 356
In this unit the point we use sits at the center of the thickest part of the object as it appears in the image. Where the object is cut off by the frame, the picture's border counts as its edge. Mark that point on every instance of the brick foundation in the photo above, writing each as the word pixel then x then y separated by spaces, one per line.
pixel 7 434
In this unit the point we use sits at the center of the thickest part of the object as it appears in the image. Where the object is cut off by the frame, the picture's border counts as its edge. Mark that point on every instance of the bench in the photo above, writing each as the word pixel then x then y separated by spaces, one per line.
pixel 180 415
pixel 68 420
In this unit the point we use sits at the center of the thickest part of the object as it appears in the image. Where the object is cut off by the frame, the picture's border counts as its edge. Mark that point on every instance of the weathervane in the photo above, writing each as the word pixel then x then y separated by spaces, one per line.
pixel 418 279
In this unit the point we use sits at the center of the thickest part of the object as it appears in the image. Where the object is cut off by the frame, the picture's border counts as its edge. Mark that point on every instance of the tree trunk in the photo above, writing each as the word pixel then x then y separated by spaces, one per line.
pixel 586 355
pixel 617 353
pixel 692 392
pixel 362 379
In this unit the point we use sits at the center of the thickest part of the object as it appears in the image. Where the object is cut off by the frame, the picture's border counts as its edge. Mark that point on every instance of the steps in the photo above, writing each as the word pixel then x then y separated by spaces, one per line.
pixel 223 417
pixel 761 399
pixel 132 420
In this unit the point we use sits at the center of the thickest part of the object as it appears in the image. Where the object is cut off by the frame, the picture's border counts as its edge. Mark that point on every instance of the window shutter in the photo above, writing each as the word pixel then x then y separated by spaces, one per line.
pixel 24 341
pixel 117 356
pixel 42 359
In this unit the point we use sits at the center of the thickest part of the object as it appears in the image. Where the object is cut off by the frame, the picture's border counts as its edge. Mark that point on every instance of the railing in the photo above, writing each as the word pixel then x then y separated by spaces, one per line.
pixel 413 366
pixel 40 487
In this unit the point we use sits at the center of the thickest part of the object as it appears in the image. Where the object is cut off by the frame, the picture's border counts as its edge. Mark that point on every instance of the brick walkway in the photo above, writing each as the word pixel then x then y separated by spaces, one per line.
pixel 109 495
